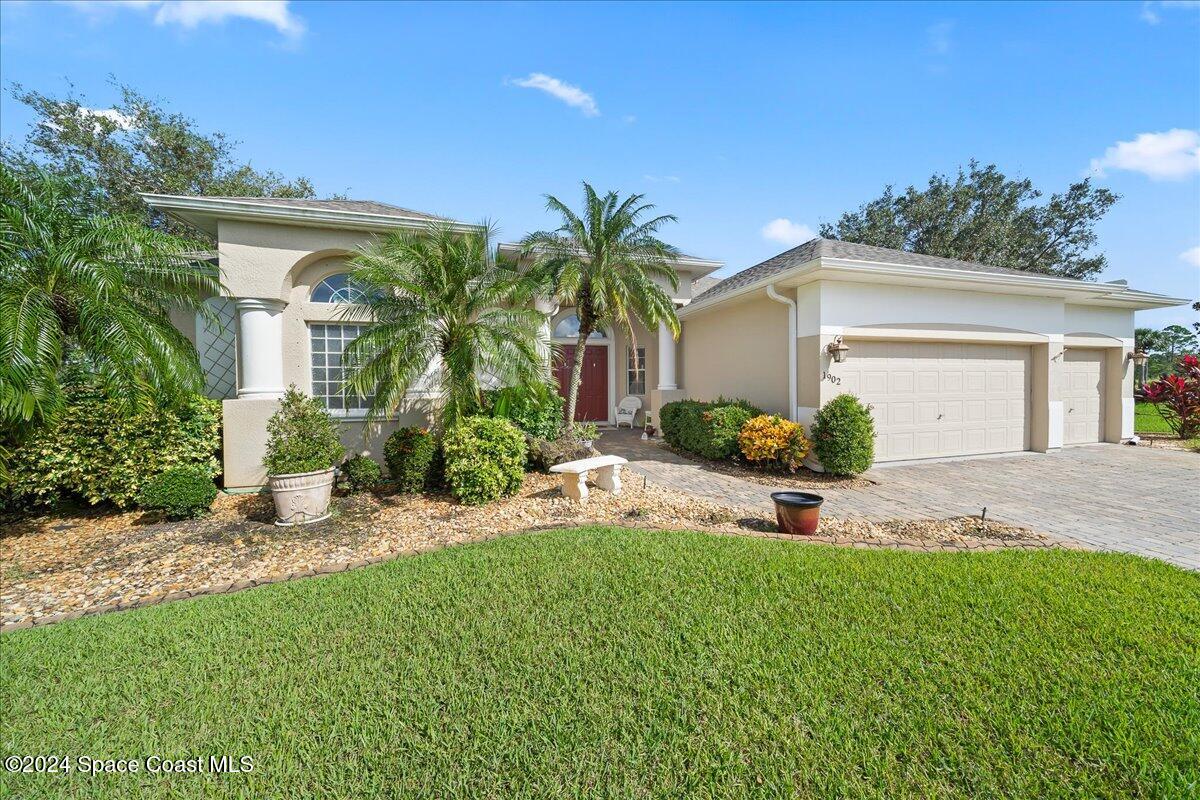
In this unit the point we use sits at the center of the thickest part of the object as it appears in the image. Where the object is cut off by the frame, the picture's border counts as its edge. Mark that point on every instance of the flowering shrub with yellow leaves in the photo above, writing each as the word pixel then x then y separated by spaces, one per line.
pixel 768 440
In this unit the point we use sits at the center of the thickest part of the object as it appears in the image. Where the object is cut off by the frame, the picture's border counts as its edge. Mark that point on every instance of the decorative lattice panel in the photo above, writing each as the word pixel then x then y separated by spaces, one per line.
pixel 216 341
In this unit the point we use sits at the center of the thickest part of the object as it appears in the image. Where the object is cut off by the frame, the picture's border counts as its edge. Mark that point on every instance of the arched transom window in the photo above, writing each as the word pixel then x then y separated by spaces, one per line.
pixel 568 328
pixel 338 288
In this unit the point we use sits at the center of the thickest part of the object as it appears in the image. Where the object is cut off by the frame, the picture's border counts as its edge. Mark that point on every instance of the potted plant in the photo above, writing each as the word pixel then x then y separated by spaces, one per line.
pixel 587 433
pixel 303 447
pixel 649 431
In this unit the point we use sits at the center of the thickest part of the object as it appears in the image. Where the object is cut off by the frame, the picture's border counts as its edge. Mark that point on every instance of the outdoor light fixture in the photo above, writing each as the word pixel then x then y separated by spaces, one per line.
pixel 837 349
pixel 1138 357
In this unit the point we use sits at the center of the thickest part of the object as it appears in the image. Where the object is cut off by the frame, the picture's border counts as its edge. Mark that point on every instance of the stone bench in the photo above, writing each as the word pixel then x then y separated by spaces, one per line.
pixel 575 475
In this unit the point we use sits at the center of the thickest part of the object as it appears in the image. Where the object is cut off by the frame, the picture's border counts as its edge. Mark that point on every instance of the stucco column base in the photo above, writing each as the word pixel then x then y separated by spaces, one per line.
pixel 245 440
pixel 660 397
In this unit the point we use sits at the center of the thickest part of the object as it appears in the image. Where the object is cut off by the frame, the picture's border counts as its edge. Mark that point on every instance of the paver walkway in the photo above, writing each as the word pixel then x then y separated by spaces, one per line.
pixel 1107 496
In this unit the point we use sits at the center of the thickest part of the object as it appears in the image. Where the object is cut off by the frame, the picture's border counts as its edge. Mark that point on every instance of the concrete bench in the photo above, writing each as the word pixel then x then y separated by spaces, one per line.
pixel 575 475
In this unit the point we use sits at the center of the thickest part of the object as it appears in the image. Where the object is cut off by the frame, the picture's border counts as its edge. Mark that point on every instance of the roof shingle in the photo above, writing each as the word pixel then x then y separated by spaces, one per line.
pixel 354 206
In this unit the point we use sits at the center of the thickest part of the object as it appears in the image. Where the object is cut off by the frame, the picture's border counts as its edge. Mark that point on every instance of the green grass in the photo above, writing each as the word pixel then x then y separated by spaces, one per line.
pixel 1146 419
pixel 614 663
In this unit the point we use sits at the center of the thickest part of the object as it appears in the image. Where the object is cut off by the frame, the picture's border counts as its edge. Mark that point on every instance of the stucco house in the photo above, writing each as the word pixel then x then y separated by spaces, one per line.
pixel 956 358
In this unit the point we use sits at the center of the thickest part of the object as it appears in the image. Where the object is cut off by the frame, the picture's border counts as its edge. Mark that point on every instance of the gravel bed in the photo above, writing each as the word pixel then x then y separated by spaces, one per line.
pixel 74 562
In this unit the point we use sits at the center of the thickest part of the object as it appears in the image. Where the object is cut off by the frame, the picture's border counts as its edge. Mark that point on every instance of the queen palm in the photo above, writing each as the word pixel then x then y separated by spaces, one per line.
pixel 80 289
pixel 444 311
pixel 606 261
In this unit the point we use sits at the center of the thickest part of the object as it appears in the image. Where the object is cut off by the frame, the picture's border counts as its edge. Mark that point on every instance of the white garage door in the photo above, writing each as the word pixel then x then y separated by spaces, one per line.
pixel 941 399
pixel 1083 383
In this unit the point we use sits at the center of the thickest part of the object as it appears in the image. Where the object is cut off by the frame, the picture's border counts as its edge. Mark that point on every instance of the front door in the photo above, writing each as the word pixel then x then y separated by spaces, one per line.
pixel 592 404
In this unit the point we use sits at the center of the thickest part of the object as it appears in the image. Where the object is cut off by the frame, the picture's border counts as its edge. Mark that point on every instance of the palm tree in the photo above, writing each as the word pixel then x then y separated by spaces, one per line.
pixel 84 291
pixel 443 310
pixel 604 261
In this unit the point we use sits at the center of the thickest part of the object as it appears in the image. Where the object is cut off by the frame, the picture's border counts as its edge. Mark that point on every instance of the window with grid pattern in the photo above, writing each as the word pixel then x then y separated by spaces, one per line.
pixel 636 374
pixel 329 341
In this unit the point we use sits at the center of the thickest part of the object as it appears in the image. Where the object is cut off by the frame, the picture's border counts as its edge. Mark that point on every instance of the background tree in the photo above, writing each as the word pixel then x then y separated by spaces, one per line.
pixel 137 146
pixel 84 289
pixel 445 310
pixel 1148 341
pixel 981 215
pixel 604 262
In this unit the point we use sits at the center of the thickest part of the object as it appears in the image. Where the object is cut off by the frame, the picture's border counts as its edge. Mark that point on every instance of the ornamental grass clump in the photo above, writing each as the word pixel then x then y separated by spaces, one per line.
pixel 301 436
pixel 843 435
pixel 771 441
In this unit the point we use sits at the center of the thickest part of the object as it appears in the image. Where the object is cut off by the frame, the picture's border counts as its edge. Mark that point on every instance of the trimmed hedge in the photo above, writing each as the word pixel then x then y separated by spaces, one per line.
pixel 485 459
pixel 707 429
pixel 97 453
pixel 843 435
pixel 182 492
pixel 361 473
pixel 411 455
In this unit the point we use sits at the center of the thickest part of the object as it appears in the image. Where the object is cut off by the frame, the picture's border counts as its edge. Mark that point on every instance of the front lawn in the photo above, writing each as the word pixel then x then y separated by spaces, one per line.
pixel 618 663
pixel 1146 419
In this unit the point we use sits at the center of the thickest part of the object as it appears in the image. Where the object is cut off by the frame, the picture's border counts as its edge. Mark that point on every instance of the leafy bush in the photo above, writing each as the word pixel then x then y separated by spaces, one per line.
pixel 774 441
pixel 844 436
pixel 182 492
pixel 301 436
pixel 362 473
pixel 485 459
pixel 97 453
pixel 1177 397
pixel 537 409
pixel 706 429
pixel 411 455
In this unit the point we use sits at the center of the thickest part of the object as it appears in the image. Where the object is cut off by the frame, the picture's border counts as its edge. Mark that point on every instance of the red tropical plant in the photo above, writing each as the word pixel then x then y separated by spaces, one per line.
pixel 1178 397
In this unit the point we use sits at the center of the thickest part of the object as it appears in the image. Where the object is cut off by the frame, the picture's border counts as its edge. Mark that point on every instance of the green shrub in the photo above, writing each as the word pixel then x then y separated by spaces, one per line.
pixel 843 436
pixel 411 455
pixel 485 459
pixel 301 436
pixel 537 409
pixel 706 429
pixel 361 474
pixel 182 492
pixel 97 453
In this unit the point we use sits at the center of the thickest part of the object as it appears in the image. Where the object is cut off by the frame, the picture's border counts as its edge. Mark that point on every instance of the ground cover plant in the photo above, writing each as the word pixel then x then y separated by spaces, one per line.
pixel 617 663
pixel 1147 419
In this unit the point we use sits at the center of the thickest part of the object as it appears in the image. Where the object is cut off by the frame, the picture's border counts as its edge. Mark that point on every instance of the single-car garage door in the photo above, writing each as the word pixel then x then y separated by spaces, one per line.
pixel 933 399
pixel 1083 382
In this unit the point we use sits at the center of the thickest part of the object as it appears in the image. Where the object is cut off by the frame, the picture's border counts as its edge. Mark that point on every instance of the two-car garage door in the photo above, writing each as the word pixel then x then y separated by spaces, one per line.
pixel 933 399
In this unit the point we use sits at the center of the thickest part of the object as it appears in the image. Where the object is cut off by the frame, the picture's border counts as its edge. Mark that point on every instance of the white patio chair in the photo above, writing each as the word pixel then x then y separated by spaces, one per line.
pixel 628 410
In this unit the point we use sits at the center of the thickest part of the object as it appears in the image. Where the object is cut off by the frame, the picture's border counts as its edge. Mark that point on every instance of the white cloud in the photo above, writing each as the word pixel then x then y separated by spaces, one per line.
pixel 122 121
pixel 1151 10
pixel 1191 256
pixel 785 231
pixel 662 178
pixel 629 119
pixel 938 35
pixel 569 93
pixel 1171 155
pixel 190 14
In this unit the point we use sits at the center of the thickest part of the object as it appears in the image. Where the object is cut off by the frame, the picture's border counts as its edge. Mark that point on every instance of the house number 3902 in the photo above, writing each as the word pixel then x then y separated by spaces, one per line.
pixel 834 379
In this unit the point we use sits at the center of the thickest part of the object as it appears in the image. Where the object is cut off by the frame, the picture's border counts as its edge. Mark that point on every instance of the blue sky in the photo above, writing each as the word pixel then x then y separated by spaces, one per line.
pixel 732 117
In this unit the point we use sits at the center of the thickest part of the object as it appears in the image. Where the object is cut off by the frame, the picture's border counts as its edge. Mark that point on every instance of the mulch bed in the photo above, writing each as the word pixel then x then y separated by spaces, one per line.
pixel 803 478
pixel 94 560
pixel 1168 441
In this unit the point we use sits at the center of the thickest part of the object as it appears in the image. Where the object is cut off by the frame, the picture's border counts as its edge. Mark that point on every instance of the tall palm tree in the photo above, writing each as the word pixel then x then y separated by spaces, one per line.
pixel 79 289
pixel 604 261
pixel 446 311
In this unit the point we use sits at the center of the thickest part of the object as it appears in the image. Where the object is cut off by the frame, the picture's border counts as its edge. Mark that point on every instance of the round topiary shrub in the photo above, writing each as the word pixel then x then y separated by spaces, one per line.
pixel 361 473
pixel 484 459
pixel 182 492
pixel 844 436
pixel 411 458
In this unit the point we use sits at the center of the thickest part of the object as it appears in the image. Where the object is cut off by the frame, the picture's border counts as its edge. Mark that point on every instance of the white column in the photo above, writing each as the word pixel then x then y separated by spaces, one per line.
pixel 666 359
pixel 260 347
pixel 549 308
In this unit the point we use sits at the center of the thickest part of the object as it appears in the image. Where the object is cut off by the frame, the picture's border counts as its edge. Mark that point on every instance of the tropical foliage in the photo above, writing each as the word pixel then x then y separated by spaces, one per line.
pixel 84 289
pixel 772 441
pixel 1177 397
pixel 412 456
pixel 535 408
pixel 982 215
pixel 607 261
pixel 301 436
pixel 446 312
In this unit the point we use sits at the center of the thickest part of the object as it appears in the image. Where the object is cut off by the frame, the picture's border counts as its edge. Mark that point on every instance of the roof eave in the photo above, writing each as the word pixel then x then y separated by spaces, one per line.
pixel 698 267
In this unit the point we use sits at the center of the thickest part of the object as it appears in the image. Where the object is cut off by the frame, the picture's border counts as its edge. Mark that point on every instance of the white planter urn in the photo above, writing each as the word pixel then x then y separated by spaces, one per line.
pixel 303 497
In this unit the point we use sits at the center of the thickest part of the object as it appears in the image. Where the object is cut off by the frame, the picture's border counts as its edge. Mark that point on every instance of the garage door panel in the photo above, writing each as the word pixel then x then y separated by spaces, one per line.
pixel 935 399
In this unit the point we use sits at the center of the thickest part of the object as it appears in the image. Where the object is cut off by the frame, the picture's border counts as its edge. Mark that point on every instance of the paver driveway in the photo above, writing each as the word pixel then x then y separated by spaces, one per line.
pixel 1108 497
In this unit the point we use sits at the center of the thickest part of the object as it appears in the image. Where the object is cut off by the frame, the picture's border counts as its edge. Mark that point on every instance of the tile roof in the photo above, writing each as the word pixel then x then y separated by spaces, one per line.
pixel 354 206
pixel 835 248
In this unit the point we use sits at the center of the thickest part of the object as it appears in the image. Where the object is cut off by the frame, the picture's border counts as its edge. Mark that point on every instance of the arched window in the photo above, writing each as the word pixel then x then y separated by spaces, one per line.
pixel 338 288
pixel 568 328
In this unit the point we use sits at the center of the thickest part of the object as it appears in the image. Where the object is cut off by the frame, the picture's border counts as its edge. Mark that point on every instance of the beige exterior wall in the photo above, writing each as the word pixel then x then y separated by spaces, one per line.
pixel 739 351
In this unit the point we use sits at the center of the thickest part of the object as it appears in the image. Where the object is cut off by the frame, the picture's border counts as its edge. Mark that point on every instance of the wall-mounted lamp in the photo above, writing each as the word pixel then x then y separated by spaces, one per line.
pixel 1138 357
pixel 837 350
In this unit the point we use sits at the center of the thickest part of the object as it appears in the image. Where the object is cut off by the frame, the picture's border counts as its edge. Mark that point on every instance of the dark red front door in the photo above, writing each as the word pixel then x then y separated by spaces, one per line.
pixel 593 390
